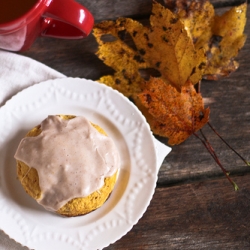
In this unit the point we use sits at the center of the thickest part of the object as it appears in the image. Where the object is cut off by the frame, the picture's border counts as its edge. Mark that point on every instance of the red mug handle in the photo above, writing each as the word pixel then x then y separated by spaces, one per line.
pixel 66 19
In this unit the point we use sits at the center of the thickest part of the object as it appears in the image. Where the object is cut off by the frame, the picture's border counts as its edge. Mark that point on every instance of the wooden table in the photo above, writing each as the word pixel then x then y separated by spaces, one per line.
pixel 194 206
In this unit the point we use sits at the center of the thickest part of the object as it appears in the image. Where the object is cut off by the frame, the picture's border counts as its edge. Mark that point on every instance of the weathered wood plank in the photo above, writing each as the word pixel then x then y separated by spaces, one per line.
pixel 113 9
pixel 203 215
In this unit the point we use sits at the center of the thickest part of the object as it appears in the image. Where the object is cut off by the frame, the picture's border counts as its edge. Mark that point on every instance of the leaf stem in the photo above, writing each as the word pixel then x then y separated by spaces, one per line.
pixel 213 153
pixel 210 149
pixel 243 159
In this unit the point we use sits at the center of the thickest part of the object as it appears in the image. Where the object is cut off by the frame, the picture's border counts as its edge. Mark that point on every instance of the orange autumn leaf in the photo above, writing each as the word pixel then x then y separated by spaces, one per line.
pixel 174 114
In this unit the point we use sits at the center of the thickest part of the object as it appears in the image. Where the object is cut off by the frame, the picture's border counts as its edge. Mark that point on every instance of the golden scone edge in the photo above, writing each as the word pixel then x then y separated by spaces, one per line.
pixel 78 206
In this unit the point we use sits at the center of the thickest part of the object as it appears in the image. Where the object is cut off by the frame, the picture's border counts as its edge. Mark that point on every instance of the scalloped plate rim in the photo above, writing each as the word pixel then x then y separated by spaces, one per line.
pixel 152 176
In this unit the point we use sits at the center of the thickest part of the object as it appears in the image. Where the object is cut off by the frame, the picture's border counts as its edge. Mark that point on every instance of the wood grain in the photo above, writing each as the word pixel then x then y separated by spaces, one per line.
pixel 202 215
pixel 112 9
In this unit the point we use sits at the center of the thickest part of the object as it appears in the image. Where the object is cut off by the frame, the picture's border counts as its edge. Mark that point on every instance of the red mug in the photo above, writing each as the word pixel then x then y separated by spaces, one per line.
pixel 65 19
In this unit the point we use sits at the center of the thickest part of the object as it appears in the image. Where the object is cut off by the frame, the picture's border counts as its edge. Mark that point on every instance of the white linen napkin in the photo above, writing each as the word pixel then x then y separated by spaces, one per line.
pixel 18 72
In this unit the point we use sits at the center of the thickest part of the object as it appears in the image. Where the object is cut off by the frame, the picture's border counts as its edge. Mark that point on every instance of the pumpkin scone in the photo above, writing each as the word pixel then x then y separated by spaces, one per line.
pixel 68 165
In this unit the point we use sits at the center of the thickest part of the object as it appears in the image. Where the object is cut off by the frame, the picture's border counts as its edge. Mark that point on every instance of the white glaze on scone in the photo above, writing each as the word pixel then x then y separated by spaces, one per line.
pixel 71 157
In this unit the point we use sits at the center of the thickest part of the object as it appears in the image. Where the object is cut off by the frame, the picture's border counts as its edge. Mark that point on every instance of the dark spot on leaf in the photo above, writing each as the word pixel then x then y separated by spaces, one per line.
pixel 124 74
pixel 142 51
pixel 201 115
pixel 158 64
pixel 117 81
pixel 146 36
pixel 127 39
pixel 202 65
pixel 195 39
pixel 148 98
pixel 134 33
pixel 165 39
pixel 127 76
pixel 174 20
pixel 150 45
pixel 122 51
pixel 164 28
pixel 139 59
pixel 129 81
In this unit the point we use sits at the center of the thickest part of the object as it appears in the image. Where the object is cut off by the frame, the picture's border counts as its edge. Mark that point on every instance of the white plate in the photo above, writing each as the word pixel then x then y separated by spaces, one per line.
pixel 28 223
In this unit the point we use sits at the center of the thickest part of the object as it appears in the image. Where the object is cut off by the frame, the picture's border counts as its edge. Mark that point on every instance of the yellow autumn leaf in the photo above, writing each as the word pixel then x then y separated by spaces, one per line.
pixel 197 17
pixel 228 38
pixel 164 46
pixel 122 58
pixel 221 37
